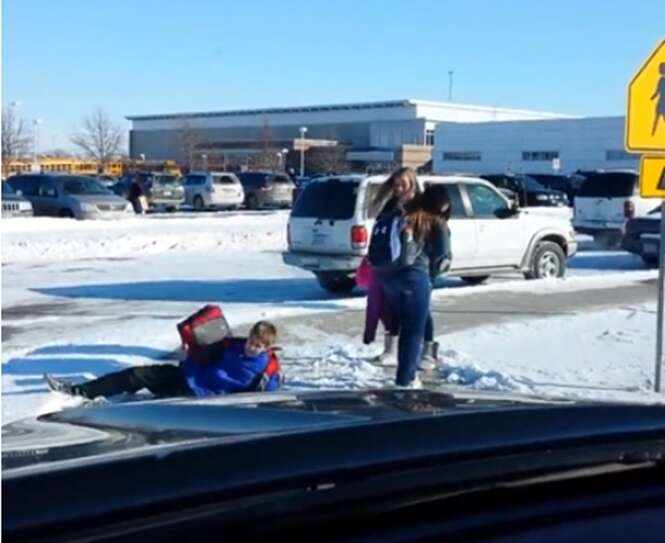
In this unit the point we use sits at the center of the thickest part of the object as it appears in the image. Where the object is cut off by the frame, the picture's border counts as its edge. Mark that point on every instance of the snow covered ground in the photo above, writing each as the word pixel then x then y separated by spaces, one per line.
pixel 81 299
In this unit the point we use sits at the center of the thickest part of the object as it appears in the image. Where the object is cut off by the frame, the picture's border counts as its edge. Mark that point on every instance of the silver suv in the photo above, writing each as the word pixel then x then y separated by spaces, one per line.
pixel 267 190
pixel 205 190
pixel 71 196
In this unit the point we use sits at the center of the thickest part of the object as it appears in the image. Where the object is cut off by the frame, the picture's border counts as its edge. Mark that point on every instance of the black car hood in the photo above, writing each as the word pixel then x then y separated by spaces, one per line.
pixel 100 429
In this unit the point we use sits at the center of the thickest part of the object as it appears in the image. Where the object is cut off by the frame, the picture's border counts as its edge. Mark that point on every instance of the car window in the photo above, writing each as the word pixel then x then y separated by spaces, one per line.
pixel 334 199
pixel 7 189
pixel 484 201
pixel 609 185
pixel 27 185
pixel 281 179
pixel 223 180
pixel 83 185
pixel 456 205
pixel 47 188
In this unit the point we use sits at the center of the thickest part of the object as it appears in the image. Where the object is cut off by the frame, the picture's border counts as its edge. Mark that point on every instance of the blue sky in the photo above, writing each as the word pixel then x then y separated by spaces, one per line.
pixel 62 58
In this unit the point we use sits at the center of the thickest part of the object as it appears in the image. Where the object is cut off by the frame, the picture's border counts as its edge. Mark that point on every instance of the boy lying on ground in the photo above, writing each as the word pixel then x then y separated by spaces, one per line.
pixel 241 365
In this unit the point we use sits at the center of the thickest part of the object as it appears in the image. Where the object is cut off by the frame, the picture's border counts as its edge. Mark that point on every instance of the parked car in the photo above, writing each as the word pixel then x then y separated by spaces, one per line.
pixel 328 231
pixel 14 204
pixel 528 192
pixel 332 466
pixel 639 229
pixel 267 189
pixel 213 190
pixel 606 200
pixel 107 180
pixel 71 196
pixel 162 190
pixel 563 183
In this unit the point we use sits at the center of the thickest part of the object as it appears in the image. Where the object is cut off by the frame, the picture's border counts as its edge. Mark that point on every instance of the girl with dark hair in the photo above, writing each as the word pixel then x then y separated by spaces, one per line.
pixel 423 247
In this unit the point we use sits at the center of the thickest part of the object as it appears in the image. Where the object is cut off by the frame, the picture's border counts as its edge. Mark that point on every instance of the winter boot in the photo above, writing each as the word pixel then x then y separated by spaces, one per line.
pixel 389 356
pixel 430 356
pixel 60 385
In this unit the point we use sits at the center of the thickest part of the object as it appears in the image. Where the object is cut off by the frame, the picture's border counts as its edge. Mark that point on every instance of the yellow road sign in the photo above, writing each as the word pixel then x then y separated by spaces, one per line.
pixel 645 121
pixel 652 176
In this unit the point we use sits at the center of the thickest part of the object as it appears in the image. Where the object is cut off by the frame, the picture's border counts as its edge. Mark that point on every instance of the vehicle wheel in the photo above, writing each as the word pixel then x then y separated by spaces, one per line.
pixel 198 203
pixel 66 214
pixel 650 260
pixel 336 282
pixel 252 202
pixel 608 240
pixel 475 279
pixel 548 260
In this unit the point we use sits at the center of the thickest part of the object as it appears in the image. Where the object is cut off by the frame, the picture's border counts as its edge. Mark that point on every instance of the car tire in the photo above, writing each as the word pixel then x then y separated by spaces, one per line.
pixel 336 282
pixel 252 202
pixel 548 261
pixel 66 213
pixel 475 279
pixel 650 261
pixel 198 203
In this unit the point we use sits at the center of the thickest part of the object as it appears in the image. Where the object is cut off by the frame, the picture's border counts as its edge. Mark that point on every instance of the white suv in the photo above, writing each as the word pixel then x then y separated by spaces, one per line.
pixel 606 200
pixel 328 231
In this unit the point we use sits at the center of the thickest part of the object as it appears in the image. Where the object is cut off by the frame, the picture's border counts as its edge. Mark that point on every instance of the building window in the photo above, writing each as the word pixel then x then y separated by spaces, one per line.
pixel 539 155
pixel 429 137
pixel 462 155
pixel 618 154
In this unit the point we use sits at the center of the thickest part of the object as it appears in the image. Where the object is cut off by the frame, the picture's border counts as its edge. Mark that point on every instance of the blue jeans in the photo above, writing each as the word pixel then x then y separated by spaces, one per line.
pixel 408 291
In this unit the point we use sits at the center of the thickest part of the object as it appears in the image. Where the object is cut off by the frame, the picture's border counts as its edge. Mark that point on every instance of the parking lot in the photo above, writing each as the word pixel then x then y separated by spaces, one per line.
pixel 81 298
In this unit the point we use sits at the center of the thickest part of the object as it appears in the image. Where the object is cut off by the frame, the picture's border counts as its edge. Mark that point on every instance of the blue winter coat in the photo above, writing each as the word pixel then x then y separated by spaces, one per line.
pixel 233 371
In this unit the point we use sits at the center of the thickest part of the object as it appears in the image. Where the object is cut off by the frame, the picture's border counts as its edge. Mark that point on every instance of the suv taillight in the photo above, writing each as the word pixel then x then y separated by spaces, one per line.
pixel 629 209
pixel 359 237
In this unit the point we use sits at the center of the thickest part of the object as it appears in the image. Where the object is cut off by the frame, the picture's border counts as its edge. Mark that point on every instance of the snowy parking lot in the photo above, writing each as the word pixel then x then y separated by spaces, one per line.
pixel 80 299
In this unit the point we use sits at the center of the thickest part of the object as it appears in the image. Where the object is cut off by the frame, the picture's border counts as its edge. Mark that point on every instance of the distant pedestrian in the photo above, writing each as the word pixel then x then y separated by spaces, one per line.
pixel 136 195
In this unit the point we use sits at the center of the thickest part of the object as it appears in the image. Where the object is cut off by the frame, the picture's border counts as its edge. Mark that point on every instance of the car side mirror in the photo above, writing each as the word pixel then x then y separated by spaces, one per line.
pixel 507 212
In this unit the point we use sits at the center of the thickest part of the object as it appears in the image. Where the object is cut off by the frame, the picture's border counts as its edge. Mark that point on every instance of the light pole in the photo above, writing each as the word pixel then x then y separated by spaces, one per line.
pixel 35 139
pixel 282 158
pixel 303 131
pixel 204 158
pixel 450 85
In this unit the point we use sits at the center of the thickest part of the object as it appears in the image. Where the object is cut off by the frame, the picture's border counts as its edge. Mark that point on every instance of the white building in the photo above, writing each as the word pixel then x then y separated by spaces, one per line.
pixel 536 146
pixel 392 133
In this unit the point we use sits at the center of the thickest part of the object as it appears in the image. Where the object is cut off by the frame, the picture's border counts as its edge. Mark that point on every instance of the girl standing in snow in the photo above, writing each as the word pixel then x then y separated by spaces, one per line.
pixel 406 280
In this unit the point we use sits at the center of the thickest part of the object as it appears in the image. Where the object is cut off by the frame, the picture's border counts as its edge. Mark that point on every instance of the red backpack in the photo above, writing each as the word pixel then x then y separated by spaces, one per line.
pixel 203 333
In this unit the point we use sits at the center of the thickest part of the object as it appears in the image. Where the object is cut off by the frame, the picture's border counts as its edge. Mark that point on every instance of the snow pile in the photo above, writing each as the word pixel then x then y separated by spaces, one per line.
pixel 43 238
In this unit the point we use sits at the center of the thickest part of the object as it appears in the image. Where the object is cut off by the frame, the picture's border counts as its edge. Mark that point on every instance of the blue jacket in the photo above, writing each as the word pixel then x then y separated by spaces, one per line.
pixel 233 371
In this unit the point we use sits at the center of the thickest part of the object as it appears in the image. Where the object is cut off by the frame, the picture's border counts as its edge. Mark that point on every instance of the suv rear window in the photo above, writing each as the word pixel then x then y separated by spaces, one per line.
pixel 609 185
pixel 281 179
pixel 222 180
pixel 334 200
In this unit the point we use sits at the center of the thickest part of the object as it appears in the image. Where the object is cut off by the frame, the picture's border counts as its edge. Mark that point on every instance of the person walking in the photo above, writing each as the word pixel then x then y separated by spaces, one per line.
pixel 406 252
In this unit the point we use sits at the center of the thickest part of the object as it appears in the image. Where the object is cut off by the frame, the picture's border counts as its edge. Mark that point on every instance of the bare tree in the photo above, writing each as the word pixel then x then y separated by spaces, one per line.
pixel 267 158
pixel 15 137
pixel 188 140
pixel 99 138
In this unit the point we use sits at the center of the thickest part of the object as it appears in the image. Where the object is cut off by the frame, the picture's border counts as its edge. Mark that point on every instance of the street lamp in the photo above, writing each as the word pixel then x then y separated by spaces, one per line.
pixel 204 157
pixel 282 158
pixel 303 131
pixel 35 139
